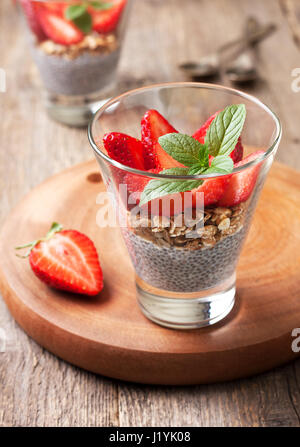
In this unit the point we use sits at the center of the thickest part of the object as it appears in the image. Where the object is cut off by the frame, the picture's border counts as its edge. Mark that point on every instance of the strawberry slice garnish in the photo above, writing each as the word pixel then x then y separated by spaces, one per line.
pixel 241 185
pixel 32 19
pixel 154 125
pixel 124 149
pixel 57 28
pixel 236 154
pixel 105 21
pixel 66 260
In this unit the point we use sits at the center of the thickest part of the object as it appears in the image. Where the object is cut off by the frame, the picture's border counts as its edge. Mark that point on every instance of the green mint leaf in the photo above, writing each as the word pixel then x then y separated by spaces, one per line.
pixel 224 131
pixel 101 5
pixel 181 147
pixel 204 156
pixel 222 162
pixel 83 22
pixel 161 187
pixel 75 11
pixel 197 169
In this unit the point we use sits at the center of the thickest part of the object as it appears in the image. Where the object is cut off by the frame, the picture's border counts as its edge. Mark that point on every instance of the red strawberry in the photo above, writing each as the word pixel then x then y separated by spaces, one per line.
pixel 213 189
pixel 105 21
pixel 57 7
pixel 31 15
pixel 154 125
pixel 57 28
pixel 201 133
pixel 124 149
pixel 236 154
pixel 67 260
pixel 241 185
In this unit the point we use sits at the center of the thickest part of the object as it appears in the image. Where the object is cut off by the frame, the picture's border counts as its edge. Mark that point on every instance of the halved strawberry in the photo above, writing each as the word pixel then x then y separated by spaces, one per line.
pixel 241 185
pixel 57 28
pixel 32 19
pixel 105 21
pixel 124 149
pixel 154 125
pixel 67 260
pixel 236 154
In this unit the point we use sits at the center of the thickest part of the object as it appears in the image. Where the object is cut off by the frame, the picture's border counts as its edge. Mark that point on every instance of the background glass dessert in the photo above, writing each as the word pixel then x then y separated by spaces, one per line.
pixel 185 270
pixel 76 46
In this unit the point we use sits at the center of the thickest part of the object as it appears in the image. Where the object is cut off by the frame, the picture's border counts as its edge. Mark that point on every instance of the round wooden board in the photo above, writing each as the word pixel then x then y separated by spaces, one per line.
pixel 109 335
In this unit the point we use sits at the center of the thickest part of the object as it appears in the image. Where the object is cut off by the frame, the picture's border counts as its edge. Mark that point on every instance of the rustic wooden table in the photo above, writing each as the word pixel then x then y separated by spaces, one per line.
pixel 38 389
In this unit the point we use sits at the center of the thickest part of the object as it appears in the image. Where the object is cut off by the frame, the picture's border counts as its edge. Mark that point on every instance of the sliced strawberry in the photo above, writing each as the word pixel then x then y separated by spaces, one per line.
pixel 57 28
pixel 57 7
pixel 201 133
pixel 32 19
pixel 154 125
pixel 105 21
pixel 241 185
pixel 212 189
pixel 236 154
pixel 66 260
pixel 124 149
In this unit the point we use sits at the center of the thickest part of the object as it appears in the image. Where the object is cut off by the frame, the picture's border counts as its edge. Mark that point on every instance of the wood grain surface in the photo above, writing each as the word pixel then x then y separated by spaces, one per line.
pixel 37 389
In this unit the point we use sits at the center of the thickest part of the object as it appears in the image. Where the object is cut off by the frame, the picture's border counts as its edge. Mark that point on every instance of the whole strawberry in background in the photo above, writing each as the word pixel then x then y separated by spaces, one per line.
pixel 66 260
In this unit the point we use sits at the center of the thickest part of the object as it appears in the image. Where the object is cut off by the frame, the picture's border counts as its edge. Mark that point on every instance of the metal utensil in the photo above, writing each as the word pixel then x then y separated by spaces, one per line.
pixel 244 68
pixel 210 65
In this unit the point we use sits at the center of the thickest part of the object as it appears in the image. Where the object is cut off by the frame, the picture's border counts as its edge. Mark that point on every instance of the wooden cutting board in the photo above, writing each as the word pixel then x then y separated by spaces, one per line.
pixel 108 334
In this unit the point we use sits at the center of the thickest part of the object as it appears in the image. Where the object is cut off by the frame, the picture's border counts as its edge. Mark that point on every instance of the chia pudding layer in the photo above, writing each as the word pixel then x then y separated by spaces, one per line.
pixel 78 70
pixel 167 259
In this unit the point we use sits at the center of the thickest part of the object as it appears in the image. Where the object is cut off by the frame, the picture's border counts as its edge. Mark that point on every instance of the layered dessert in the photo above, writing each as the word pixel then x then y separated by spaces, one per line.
pixel 187 217
pixel 75 44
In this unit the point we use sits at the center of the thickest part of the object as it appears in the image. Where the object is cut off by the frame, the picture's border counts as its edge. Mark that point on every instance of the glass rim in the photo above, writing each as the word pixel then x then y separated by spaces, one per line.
pixel 202 85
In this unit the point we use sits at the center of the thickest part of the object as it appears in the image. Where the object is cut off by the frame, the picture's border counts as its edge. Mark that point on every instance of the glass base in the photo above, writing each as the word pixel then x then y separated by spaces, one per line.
pixel 186 310
pixel 76 111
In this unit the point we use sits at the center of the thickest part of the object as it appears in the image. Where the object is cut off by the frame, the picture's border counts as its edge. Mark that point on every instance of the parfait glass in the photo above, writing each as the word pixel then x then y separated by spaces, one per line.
pixel 185 255
pixel 76 46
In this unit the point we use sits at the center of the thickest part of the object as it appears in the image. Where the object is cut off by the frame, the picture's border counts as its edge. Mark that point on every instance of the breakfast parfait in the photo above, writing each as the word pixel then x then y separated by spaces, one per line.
pixel 76 46
pixel 185 235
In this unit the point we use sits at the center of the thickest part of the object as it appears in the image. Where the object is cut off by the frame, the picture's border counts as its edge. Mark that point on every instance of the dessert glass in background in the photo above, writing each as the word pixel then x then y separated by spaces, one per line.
pixel 185 270
pixel 76 46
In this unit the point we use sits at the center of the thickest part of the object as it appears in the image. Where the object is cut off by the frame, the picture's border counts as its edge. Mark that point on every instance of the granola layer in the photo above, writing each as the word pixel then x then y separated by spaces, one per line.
pixel 92 43
pixel 203 230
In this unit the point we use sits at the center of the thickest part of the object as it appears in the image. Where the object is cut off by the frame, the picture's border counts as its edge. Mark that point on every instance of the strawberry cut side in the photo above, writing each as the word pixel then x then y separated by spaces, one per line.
pixel 29 9
pixel 68 261
pixel 241 185
pixel 106 21
pixel 57 28
pixel 154 125
pixel 236 154
pixel 124 149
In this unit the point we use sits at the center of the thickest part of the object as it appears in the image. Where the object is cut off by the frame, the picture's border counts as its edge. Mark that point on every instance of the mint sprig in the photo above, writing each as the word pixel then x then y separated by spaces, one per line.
pixel 225 129
pixel 159 188
pixel 80 16
pixel 220 141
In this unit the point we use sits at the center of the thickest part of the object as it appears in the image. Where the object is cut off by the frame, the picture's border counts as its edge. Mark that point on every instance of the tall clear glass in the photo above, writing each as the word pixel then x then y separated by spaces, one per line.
pixel 185 263
pixel 77 53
